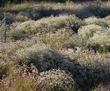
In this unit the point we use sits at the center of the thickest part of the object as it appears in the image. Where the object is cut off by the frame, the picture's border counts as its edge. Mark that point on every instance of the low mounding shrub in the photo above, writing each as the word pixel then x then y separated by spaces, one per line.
pixel 50 24
pixel 58 80
pixel 61 39
pixel 26 27
pixel 21 18
pixel 40 55
pixel 101 41
pixel 21 31
pixel 97 21
pixel 44 58
pixel 17 35
pixel 11 47
pixel 88 31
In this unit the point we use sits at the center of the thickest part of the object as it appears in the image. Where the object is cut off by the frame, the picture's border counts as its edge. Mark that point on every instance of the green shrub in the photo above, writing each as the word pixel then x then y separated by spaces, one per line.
pixel 6 68
pixel 3 70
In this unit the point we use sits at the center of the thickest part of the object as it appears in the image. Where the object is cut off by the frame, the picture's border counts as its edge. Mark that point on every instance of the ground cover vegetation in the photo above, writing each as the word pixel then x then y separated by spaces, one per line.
pixel 54 46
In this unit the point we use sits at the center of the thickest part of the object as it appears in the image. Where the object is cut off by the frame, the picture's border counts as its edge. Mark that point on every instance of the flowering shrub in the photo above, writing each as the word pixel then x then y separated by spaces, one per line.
pixel 89 30
pixel 44 25
pixel 58 80
pixel 43 57
pixel 101 40
pixel 40 55
pixel 98 21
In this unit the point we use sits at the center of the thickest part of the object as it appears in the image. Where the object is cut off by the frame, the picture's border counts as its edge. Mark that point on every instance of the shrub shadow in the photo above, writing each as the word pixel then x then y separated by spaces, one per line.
pixel 85 12
pixel 86 76
pixel 81 13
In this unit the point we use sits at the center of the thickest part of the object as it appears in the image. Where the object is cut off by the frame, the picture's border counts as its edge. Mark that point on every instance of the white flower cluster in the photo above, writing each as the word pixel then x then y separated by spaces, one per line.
pixel 98 21
pixel 101 38
pixel 46 24
pixel 59 79
pixel 89 30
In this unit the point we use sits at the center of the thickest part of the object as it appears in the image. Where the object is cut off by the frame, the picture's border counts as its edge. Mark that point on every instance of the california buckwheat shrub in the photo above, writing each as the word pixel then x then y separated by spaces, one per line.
pixel 26 27
pixel 43 57
pixel 88 31
pixel 101 41
pixel 33 54
pixel 53 23
pixel 50 24
pixel 58 80
pixel 98 21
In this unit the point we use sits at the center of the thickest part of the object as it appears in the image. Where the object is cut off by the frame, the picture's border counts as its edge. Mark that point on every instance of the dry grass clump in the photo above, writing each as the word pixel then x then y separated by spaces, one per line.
pixel 61 39
pixel 58 80
pixel 22 80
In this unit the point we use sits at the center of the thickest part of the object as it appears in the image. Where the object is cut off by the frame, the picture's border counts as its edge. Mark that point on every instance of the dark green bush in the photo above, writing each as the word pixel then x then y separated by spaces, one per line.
pixel 99 48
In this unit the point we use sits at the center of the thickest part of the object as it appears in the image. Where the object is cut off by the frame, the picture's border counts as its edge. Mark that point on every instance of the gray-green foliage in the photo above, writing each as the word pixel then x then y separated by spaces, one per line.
pixel 58 80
